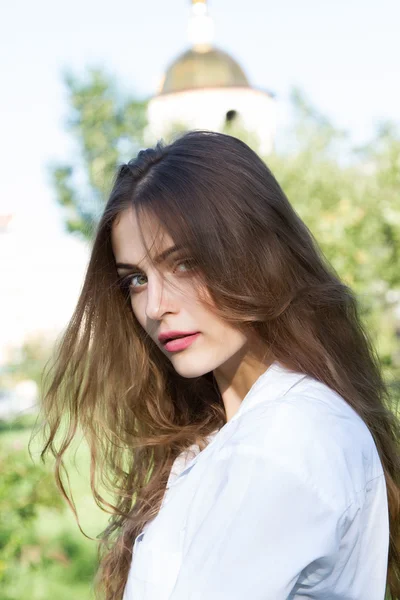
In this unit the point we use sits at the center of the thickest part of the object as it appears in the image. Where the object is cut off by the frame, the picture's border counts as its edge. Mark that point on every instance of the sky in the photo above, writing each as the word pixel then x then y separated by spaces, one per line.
pixel 344 55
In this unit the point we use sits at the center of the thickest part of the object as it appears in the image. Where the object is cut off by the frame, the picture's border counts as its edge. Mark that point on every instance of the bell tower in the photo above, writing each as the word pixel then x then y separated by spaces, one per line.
pixel 207 88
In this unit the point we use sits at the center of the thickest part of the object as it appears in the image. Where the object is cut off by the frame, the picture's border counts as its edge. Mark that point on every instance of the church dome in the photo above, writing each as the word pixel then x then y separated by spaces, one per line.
pixel 195 69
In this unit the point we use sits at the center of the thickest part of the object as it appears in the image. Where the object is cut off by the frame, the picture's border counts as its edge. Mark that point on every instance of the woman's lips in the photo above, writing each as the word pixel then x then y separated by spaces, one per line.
pixel 180 343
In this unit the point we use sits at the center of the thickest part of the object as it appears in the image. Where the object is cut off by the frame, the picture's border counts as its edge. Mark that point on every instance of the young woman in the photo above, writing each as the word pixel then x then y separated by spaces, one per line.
pixel 231 400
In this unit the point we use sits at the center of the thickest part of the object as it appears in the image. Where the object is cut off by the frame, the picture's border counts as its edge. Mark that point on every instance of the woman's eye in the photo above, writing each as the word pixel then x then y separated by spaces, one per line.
pixel 137 280
pixel 136 277
pixel 188 262
pixel 130 282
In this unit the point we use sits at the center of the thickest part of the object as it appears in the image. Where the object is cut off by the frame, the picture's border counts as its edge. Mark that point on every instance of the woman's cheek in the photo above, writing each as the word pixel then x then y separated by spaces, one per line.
pixel 138 308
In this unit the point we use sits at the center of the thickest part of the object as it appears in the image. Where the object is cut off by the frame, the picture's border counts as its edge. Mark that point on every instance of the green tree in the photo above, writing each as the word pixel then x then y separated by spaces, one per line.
pixel 107 129
pixel 353 211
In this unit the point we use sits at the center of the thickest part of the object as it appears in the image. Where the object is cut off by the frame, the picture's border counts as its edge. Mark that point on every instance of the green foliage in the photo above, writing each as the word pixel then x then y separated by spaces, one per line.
pixel 24 489
pixel 107 130
pixel 353 211
pixel 42 552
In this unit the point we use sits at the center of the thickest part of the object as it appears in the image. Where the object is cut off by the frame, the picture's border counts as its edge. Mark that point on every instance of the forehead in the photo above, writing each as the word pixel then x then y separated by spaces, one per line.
pixel 132 238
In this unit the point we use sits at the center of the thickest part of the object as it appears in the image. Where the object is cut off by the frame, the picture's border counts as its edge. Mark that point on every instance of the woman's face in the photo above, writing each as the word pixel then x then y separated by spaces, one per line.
pixel 171 303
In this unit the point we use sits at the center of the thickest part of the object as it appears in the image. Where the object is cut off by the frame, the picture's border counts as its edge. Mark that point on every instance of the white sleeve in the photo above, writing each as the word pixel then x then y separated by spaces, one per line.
pixel 252 528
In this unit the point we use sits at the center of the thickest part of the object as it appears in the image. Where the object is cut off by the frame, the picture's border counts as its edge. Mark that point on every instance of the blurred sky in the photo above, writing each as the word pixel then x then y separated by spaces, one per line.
pixel 343 54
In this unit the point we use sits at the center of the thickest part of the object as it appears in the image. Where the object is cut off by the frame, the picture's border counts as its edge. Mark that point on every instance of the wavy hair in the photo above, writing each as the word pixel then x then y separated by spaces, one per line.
pixel 215 196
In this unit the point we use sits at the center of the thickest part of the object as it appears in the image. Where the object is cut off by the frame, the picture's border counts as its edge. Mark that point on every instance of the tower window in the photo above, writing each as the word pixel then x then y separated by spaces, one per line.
pixel 230 116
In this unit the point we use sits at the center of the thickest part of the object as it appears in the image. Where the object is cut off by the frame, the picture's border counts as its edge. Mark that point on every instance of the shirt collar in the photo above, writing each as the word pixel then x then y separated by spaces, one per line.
pixel 276 381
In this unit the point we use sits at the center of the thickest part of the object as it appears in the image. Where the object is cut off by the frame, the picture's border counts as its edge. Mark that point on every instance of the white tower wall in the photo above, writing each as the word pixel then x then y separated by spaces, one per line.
pixel 208 108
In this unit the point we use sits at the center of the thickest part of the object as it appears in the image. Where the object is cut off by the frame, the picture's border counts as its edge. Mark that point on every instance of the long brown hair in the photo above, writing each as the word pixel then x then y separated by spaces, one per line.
pixel 264 272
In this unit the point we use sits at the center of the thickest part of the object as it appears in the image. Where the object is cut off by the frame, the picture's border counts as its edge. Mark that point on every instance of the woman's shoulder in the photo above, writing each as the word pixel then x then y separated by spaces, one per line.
pixel 313 432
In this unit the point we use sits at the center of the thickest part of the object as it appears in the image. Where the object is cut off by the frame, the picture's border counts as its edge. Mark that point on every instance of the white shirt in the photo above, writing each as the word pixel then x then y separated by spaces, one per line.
pixel 287 501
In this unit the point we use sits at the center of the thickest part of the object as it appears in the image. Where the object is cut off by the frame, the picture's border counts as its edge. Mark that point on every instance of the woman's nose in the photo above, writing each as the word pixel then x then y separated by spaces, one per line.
pixel 157 299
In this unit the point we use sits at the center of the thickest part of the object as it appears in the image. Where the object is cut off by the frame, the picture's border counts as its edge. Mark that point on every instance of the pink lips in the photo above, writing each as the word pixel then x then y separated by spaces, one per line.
pixel 180 343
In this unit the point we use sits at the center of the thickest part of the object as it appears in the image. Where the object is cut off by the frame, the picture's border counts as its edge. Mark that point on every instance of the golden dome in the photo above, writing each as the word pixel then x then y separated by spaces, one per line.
pixel 208 69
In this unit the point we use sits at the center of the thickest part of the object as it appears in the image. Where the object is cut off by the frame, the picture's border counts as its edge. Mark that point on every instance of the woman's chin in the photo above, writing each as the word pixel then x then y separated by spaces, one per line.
pixel 190 371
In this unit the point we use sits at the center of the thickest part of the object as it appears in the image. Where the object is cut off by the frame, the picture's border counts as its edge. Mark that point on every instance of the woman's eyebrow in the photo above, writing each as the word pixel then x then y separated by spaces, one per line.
pixel 158 259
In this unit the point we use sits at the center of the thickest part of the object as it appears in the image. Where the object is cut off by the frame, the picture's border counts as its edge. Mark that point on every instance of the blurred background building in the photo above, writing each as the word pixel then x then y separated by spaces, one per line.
pixel 206 88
